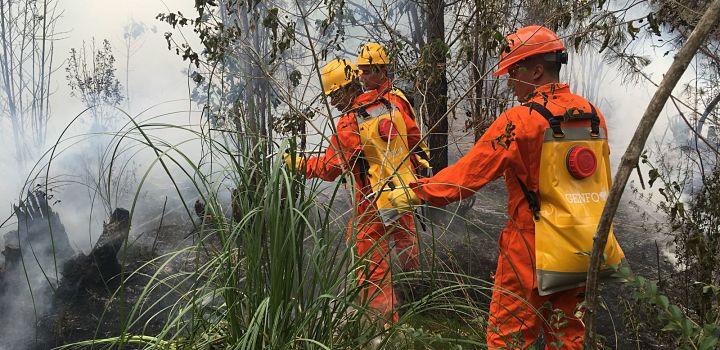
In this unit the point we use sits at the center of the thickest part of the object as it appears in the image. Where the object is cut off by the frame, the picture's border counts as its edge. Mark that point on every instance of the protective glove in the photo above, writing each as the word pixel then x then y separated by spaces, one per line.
pixel 422 162
pixel 403 199
pixel 289 161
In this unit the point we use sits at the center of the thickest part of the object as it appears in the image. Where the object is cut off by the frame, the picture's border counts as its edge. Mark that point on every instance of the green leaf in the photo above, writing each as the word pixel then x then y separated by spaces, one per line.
pixel 670 327
pixel 606 41
pixel 707 342
pixel 687 328
pixel 632 30
pixel 681 209
pixel 577 42
pixel 295 77
pixel 675 312
pixel 663 301
pixel 654 25
pixel 653 174
pixel 624 271
pixel 652 288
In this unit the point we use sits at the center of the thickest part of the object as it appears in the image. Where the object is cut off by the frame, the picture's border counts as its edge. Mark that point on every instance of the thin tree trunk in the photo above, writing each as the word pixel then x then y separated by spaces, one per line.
pixel 43 82
pixel 710 107
pixel 476 67
pixel 417 23
pixel 436 94
pixel 632 154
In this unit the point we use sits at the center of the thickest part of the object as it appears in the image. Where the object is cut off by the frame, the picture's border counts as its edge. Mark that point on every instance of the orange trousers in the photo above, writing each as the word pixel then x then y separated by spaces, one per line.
pixel 518 313
pixel 372 245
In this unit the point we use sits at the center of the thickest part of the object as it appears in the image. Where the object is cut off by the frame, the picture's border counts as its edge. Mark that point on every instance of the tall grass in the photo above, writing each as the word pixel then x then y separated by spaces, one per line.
pixel 270 270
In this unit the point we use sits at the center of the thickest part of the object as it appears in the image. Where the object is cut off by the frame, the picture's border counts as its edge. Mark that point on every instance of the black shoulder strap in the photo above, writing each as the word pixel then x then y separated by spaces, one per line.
pixel 592 116
pixel 386 103
pixel 554 121
pixel 361 111
pixel 531 198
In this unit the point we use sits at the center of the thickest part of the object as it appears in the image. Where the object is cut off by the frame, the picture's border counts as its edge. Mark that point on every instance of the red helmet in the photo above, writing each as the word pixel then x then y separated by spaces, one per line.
pixel 528 41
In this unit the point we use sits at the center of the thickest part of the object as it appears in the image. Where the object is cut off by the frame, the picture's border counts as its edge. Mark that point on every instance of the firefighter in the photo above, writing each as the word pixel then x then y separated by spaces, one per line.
pixel 373 63
pixel 552 151
pixel 371 145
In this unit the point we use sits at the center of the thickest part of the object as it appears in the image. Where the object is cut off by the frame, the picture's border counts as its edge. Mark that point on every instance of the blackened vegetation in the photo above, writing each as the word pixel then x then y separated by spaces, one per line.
pixel 100 289
pixel 50 297
pixel 34 254
pixel 99 269
pixel 40 235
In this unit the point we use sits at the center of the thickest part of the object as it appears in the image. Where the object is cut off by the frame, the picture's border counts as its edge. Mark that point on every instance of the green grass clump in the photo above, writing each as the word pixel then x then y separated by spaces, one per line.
pixel 270 271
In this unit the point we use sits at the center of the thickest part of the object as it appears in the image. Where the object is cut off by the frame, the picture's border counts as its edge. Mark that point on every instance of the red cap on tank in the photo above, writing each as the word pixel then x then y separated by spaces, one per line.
pixel 581 162
pixel 387 130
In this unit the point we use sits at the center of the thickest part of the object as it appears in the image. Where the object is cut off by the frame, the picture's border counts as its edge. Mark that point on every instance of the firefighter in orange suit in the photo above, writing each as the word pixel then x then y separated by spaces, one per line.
pixel 514 147
pixel 371 145
pixel 372 62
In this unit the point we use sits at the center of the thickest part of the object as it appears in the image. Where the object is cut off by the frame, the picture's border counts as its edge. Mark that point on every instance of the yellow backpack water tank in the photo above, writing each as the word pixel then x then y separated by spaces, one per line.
pixel 574 184
pixel 385 149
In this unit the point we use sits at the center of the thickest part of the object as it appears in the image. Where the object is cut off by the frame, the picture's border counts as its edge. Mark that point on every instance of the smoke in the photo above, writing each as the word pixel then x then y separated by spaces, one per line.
pixel 79 194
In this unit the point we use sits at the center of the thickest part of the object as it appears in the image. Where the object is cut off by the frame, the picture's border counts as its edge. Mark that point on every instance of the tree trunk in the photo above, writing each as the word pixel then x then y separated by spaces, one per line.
pixel 436 86
pixel 632 154
pixel 478 117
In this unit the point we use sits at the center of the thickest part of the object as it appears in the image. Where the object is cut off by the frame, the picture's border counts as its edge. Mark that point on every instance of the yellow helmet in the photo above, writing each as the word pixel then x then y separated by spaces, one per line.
pixel 372 53
pixel 336 74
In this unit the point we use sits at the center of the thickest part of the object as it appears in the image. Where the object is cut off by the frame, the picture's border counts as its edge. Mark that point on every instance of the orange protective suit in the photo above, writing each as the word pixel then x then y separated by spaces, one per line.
pixel 511 148
pixel 372 236
pixel 405 239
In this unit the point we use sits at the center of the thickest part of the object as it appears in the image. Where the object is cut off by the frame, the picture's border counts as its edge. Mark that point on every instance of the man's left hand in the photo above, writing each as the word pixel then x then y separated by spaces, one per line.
pixel 403 199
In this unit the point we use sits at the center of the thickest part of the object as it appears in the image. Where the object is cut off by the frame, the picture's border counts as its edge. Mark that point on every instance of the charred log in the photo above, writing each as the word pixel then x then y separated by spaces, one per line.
pixel 34 254
pixel 98 269
pixel 40 237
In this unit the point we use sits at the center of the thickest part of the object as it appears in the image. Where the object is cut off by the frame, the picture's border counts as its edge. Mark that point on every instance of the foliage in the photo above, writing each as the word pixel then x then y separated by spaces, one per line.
pixel 681 17
pixel 277 274
pixel 93 80
pixel 689 202
pixel 669 320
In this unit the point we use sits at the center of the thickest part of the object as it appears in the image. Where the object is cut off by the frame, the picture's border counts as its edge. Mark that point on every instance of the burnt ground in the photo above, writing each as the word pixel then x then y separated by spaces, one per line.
pixel 96 291
pixel 97 308
pixel 144 260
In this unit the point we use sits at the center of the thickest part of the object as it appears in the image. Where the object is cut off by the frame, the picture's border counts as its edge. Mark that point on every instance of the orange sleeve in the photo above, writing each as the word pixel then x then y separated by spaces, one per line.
pixel 344 146
pixel 496 151
pixel 413 132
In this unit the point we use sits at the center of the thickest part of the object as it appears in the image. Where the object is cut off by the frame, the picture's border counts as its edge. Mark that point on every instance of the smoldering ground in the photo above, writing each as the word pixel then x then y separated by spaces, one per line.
pixel 62 212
